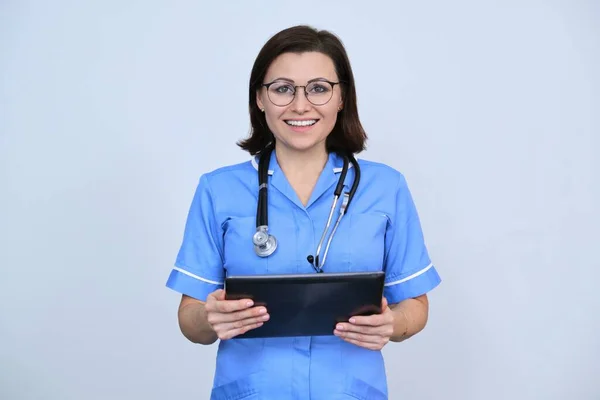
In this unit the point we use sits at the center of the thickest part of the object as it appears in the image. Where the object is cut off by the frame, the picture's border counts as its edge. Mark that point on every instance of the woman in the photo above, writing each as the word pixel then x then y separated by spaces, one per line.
pixel 303 102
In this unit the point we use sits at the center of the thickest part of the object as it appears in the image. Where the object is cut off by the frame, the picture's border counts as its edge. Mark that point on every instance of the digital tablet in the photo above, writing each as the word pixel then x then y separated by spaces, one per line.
pixel 307 304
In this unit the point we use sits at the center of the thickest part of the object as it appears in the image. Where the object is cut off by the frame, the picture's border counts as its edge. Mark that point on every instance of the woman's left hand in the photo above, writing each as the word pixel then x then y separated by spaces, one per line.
pixel 371 332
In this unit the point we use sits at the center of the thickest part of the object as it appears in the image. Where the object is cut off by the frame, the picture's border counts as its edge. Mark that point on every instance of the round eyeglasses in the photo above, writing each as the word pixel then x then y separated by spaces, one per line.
pixel 318 92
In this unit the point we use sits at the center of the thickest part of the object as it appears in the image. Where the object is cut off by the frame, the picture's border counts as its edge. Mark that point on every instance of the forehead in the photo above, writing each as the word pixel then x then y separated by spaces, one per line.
pixel 301 67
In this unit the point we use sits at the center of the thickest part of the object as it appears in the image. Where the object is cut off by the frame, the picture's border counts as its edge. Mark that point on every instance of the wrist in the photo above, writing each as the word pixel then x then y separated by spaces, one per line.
pixel 401 325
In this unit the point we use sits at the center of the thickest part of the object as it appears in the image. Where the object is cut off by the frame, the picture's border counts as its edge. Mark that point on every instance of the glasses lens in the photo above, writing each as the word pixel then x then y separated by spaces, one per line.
pixel 281 93
pixel 319 93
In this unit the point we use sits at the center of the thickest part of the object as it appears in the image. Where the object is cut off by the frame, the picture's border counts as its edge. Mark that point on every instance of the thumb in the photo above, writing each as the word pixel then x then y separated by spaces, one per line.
pixel 219 294
pixel 384 304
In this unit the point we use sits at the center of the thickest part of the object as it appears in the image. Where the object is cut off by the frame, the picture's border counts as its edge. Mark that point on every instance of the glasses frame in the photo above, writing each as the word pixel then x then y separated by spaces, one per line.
pixel 267 85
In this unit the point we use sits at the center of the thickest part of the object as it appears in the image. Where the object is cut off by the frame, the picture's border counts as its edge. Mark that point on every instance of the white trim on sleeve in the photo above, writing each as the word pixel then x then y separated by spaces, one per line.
pixel 183 271
pixel 427 268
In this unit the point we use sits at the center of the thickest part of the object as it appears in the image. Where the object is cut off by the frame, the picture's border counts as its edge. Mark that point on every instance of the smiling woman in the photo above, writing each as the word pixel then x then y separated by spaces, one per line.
pixel 316 63
pixel 305 132
pixel 312 110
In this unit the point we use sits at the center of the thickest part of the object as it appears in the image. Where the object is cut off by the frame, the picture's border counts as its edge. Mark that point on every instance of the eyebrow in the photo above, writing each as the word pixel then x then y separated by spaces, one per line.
pixel 292 81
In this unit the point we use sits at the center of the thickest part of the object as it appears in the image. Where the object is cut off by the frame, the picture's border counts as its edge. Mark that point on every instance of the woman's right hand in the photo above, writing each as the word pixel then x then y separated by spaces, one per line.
pixel 230 318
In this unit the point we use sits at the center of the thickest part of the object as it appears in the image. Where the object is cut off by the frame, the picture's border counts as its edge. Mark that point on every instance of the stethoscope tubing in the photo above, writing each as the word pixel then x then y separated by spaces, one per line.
pixel 265 243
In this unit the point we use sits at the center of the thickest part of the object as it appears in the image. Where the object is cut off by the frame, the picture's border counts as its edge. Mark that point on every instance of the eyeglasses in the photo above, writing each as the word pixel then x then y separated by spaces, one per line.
pixel 281 93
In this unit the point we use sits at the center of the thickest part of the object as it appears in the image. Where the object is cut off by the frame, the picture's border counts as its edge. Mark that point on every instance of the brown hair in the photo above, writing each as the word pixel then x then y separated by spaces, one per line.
pixel 348 134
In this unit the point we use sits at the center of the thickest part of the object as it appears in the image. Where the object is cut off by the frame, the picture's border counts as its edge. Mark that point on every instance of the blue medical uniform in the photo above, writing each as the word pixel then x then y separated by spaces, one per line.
pixel 380 232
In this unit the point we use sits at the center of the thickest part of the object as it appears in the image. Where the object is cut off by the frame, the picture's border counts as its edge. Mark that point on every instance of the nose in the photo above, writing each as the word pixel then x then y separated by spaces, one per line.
pixel 300 104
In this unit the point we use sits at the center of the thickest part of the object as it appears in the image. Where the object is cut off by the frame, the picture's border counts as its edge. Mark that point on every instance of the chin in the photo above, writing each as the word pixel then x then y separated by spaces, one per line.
pixel 302 144
pixel 302 141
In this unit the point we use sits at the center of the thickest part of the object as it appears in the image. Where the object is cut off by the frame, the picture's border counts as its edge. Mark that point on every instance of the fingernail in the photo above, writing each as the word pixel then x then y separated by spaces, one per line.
pixel 263 310
pixel 352 320
pixel 340 327
pixel 249 304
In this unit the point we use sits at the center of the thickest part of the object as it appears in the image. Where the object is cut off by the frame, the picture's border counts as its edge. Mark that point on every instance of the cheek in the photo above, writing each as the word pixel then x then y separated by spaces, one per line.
pixel 274 114
pixel 330 116
pixel 330 110
pixel 274 121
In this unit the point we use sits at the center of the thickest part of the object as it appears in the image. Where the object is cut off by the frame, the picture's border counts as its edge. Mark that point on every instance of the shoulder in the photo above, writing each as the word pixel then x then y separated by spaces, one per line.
pixel 230 189
pixel 227 171
pixel 387 188
pixel 381 173
pixel 222 178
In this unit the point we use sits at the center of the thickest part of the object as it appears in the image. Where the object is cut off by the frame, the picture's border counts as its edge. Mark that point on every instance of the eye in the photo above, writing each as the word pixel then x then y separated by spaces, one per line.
pixel 318 88
pixel 282 88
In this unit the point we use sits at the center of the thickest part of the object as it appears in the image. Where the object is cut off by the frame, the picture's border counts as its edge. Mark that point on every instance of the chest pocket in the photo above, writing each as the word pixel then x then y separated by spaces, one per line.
pixel 366 236
pixel 240 258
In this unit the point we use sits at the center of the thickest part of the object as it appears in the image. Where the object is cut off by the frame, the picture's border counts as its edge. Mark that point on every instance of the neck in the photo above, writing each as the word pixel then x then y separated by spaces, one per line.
pixel 302 169
pixel 301 164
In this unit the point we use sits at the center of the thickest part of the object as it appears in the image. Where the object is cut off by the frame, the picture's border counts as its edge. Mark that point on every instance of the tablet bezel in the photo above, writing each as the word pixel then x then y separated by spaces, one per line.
pixel 286 285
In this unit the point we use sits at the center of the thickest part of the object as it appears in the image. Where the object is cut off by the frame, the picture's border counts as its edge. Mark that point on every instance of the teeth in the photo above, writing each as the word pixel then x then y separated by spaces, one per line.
pixel 308 122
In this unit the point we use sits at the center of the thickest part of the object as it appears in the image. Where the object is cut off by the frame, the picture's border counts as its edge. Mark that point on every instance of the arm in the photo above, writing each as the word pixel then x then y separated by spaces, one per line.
pixel 193 321
pixel 410 317
pixel 410 274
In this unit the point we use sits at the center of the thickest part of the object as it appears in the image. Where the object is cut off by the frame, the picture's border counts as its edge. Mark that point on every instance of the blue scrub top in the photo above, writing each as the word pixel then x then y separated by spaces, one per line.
pixel 380 232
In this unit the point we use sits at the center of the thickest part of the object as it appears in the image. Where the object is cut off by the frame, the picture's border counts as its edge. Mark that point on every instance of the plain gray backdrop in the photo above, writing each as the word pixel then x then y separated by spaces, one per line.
pixel 111 110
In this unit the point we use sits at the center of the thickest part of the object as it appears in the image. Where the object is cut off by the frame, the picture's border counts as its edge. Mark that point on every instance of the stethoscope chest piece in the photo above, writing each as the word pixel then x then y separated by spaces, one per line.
pixel 264 243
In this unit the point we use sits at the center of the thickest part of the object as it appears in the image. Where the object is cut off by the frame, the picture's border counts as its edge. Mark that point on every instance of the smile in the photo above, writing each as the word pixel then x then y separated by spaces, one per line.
pixel 306 122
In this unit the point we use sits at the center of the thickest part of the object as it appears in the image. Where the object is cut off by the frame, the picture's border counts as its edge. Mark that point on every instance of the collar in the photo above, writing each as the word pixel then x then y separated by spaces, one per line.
pixel 328 178
pixel 335 162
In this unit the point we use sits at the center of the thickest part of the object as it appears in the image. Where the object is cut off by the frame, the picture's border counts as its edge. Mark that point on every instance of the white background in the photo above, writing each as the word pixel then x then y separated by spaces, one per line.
pixel 111 110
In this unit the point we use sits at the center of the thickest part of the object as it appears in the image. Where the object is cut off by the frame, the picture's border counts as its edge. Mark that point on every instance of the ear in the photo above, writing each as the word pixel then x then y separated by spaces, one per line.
pixel 259 101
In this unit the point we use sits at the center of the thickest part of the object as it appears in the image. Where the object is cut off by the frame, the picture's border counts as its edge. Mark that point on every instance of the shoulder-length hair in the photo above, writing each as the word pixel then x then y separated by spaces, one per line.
pixel 348 134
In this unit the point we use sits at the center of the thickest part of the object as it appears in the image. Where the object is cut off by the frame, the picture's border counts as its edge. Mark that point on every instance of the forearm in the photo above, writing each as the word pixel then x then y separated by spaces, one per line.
pixel 194 324
pixel 410 317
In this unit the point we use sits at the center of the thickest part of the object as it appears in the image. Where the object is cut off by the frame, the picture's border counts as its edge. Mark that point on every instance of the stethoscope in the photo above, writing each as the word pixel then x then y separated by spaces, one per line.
pixel 265 243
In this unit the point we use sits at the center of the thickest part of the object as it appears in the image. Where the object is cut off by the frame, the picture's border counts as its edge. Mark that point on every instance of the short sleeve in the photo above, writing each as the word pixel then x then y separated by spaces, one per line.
pixel 198 269
pixel 409 270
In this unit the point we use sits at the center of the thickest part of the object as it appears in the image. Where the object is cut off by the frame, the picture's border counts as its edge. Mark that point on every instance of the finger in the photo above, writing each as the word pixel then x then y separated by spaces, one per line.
pixel 238 331
pixel 377 339
pixel 231 329
pixel 343 327
pixel 385 330
pixel 368 320
pixel 228 306
pixel 360 337
pixel 218 317
pixel 364 330
pixel 229 326
pixel 370 346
